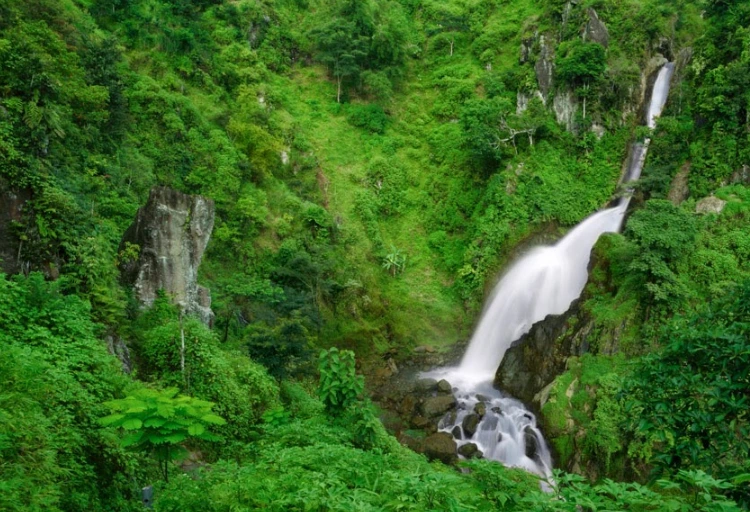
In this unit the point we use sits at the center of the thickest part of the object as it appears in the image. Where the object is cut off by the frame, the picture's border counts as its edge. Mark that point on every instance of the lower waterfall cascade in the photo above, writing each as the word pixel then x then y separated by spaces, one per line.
pixel 545 281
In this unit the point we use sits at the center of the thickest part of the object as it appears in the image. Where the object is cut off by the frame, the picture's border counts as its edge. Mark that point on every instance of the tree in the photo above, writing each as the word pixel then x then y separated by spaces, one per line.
pixel 581 65
pixel 447 21
pixel 158 421
pixel 281 348
pixel 340 47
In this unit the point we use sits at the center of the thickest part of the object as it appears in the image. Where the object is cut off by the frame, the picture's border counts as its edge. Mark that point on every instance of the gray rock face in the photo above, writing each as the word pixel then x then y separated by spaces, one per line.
pixel 436 406
pixel 710 204
pixel 11 209
pixel 118 348
pixel 172 231
pixel 527 46
pixel 741 175
pixel 523 99
pixel 678 190
pixel 441 446
pixel 544 67
pixel 595 30
pixel 539 356
pixel 565 107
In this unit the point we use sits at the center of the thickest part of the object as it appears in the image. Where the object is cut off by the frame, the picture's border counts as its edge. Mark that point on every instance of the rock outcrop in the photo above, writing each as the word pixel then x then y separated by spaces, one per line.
pixel 710 204
pixel 172 231
pixel 545 67
pixel 741 175
pixel 595 30
pixel 678 189
pixel 565 106
pixel 11 210
pixel 534 360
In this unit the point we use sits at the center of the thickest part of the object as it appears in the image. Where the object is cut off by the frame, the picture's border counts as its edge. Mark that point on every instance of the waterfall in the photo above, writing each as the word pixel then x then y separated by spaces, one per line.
pixel 545 281
pixel 659 94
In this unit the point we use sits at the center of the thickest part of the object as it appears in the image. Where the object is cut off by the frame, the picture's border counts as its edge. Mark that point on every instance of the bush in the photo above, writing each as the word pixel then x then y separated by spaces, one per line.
pixel 340 386
pixel 370 117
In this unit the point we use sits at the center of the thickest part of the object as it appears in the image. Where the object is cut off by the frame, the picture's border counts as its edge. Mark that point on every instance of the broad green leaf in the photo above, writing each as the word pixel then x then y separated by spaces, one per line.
pixel 213 419
pixel 196 429
pixel 111 419
pixel 132 424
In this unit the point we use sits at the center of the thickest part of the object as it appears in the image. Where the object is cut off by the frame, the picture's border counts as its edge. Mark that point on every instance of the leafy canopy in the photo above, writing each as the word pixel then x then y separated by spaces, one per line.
pixel 158 421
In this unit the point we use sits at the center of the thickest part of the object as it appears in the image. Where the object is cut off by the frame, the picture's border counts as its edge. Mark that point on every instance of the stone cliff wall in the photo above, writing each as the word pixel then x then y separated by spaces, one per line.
pixel 172 231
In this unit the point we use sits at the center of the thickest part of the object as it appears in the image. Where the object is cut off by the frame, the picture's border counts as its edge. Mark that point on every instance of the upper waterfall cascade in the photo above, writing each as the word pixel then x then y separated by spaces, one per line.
pixel 545 281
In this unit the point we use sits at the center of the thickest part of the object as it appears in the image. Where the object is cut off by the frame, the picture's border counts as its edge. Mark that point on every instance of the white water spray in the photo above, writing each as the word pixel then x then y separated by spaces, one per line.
pixel 545 281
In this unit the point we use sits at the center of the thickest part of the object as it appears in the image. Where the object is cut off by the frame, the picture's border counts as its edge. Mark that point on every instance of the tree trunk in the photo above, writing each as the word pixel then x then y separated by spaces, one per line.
pixel 584 107
pixel 452 42
pixel 338 89
pixel 182 347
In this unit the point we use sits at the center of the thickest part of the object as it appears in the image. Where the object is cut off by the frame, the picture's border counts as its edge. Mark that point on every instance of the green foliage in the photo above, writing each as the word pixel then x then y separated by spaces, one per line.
pixel 688 400
pixel 340 386
pixel 282 349
pixel 54 374
pixel 662 234
pixel 394 262
pixel 102 99
pixel 585 413
pixel 369 117
pixel 158 422
pixel 354 38
pixel 580 63
pixel 240 388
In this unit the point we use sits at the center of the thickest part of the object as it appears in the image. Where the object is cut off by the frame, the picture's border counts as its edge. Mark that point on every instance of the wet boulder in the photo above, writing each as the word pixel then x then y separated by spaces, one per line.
pixel 480 409
pixel 444 387
pixel 442 447
pixel 426 385
pixel 470 424
pixel 457 432
pixel 470 451
pixel 435 406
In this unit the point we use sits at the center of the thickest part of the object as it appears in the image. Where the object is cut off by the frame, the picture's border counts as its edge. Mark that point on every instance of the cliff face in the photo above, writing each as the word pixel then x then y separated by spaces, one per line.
pixel 11 210
pixel 539 356
pixel 172 231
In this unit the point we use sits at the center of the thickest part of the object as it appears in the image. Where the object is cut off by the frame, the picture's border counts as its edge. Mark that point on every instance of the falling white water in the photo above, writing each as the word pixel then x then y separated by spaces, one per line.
pixel 545 281
pixel 659 94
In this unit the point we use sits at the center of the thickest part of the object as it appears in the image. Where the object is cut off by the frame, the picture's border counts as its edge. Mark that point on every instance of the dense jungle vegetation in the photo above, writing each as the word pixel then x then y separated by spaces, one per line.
pixel 374 164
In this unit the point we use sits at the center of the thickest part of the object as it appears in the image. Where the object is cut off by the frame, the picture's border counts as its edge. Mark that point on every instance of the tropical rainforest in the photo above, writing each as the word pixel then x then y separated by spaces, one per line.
pixel 374 165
